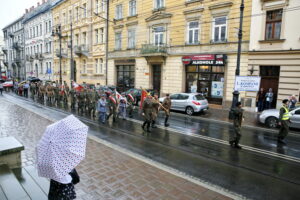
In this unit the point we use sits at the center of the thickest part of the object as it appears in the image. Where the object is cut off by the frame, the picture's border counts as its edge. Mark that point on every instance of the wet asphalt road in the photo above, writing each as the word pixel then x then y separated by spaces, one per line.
pixel 250 173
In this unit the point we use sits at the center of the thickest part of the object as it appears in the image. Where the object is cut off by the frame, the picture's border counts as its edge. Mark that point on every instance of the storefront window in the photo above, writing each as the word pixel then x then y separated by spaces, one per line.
pixel 192 68
pixel 125 77
pixel 192 82
pixel 204 68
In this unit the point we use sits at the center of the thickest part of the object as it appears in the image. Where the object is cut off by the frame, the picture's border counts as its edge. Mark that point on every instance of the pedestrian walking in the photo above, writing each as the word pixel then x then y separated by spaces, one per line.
pixel 123 106
pixel 284 121
pixel 26 88
pixel 260 97
pixel 293 101
pixel 155 110
pixel 147 110
pixel 1 88
pixel 101 108
pixel 60 150
pixel 235 136
pixel 130 101
pixel 167 105
pixel 269 98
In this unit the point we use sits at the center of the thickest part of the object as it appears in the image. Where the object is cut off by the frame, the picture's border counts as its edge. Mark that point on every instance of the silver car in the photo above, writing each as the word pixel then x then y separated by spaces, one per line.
pixel 188 102
pixel 270 118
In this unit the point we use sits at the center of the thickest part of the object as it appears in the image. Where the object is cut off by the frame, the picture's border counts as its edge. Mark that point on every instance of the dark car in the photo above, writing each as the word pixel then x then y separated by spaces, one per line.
pixel 138 93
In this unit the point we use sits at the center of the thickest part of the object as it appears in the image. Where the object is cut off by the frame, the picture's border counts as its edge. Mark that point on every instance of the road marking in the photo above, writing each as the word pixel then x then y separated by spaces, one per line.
pixel 249 148
pixel 144 159
pixel 245 147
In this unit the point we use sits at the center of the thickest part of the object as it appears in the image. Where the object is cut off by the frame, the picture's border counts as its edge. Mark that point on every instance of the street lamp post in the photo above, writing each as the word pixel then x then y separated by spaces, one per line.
pixel 57 32
pixel 236 93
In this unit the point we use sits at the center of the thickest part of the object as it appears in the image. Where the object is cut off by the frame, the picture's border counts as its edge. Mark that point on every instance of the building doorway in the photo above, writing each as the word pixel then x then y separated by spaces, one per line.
pixel 270 79
pixel 156 77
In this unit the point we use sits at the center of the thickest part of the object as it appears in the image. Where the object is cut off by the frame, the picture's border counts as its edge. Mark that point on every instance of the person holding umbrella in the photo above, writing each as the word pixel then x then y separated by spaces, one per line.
pixel 60 150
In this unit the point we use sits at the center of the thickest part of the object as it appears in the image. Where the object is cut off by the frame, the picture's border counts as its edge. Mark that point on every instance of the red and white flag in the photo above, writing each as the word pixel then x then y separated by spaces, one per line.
pixel 77 87
pixel 131 97
pixel 118 95
pixel 113 99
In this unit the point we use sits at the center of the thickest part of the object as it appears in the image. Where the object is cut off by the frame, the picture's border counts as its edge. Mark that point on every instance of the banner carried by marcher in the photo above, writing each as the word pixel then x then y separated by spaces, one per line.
pixel 247 83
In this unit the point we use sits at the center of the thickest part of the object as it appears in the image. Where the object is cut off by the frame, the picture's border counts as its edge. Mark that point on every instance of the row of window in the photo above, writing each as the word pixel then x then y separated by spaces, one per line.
pixel 37 30
pixel 219 31
pixel 98 63
pixel 39 49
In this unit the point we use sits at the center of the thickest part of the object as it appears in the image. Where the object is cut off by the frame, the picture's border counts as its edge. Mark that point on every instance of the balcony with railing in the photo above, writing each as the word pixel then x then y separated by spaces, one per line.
pixel 39 56
pixel 4 49
pixel 154 50
pixel 16 46
pixel 64 53
pixel 81 50
pixel 10 34
pixel 29 58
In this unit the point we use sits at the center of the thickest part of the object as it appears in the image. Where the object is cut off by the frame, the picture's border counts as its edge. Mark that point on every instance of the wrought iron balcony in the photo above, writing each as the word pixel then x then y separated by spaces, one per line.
pixel 64 53
pixel 16 45
pixel 10 34
pixel 5 63
pixel 29 58
pixel 39 56
pixel 81 50
pixel 153 50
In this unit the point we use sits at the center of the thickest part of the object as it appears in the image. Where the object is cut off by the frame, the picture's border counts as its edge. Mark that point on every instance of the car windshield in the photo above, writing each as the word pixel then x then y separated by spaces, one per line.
pixel 199 97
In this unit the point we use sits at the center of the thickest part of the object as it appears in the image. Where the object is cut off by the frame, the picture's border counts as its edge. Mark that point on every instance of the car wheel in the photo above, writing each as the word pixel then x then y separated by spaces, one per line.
pixel 272 122
pixel 189 110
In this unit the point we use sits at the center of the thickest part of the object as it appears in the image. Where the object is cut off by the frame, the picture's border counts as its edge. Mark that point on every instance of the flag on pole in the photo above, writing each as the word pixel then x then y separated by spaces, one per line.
pixel 77 87
pixel 143 96
pixel 118 95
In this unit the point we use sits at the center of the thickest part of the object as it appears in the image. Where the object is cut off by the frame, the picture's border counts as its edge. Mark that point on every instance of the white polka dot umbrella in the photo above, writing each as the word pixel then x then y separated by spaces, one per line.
pixel 61 148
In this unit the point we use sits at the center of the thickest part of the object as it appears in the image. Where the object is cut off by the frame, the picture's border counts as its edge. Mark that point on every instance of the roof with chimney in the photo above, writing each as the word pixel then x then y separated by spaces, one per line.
pixel 40 9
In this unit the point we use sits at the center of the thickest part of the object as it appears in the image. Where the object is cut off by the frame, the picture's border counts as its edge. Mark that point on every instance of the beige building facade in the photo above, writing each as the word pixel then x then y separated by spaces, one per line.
pixel 275 48
pixel 177 46
pixel 83 21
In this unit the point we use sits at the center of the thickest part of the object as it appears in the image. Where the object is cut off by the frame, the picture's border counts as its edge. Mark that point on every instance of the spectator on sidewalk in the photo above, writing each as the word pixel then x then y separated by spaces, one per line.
pixel 101 108
pixel 234 137
pixel 1 88
pixel 269 98
pixel 26 87
pixel 260 97
pixel 293 102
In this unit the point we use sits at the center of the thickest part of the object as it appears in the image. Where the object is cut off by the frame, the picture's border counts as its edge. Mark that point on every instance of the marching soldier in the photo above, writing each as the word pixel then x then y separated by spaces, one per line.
pixel 56 95
pixel 50 92
pixel 284 121
pixel 167 105
pixel 113 105
pixel 130 101
pixel 32 90
pixel 72 95
pixel 147 110
pixel 155 109
pixel 235 136
pixel 81 101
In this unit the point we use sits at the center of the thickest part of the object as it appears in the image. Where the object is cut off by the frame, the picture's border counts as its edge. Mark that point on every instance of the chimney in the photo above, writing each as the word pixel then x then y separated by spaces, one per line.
pixel 38 4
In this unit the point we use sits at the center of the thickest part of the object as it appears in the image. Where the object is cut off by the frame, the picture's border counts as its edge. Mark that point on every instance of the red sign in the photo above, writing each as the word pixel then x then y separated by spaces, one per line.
pixel 204 59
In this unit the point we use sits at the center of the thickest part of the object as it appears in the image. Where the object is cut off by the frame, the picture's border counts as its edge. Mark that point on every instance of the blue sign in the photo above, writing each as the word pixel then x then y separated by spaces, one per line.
pixel 49 71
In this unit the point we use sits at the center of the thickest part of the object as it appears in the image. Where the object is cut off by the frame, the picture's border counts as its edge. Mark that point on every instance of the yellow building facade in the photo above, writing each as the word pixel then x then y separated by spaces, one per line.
pixel 177 46
pixel 85 20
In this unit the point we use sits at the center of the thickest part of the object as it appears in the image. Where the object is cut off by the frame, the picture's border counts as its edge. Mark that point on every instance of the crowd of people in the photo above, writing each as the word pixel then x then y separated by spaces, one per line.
pixel 89 101
pixel 265 100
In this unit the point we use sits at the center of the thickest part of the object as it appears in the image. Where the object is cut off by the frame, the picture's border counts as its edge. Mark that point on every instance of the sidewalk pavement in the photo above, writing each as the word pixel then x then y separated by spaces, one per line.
pixel 106 174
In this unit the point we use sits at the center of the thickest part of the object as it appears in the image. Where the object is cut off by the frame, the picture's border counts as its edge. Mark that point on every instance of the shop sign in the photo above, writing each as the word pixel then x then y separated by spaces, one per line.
pixel 204 59
pixel 247 83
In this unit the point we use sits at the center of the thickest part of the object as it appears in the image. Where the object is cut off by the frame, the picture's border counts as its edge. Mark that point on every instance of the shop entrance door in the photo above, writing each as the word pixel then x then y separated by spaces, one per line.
pixel 156 77
pixel 270 79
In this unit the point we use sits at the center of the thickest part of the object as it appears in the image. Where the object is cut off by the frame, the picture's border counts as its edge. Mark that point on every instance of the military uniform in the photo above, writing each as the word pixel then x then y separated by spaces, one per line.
pixel 147 110
pixel 235 136
pixel 73 98
pixel 284 119
pixel 81 101
pixel 130 101
pixel 56 95
pixel 155 109
pixel 167 105
pixel 32 90
pixel 113 105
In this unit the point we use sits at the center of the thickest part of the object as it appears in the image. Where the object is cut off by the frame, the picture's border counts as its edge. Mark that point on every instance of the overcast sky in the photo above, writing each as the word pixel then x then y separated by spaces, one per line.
pixel 10 10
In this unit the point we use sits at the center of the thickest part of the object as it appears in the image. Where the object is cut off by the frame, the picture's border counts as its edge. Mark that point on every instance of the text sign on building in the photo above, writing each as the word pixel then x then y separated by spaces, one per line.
pixel 204 59
pixel 247 83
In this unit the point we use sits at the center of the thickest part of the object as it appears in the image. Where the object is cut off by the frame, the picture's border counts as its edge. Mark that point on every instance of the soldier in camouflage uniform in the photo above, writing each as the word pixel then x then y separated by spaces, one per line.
pixel 155 109
pixel 32 90
pixel 131 102
pixel 113 105
pixel 81 101
pixel 167 105
pixel 72 95
pixel 56 95
pixel 147 110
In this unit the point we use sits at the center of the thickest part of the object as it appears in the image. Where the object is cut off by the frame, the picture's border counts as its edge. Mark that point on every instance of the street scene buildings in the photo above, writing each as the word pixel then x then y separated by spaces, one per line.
pixel 150 100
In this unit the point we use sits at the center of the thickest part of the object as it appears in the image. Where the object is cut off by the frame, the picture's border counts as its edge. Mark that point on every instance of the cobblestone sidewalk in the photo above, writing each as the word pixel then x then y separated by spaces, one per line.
pixel 106 174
